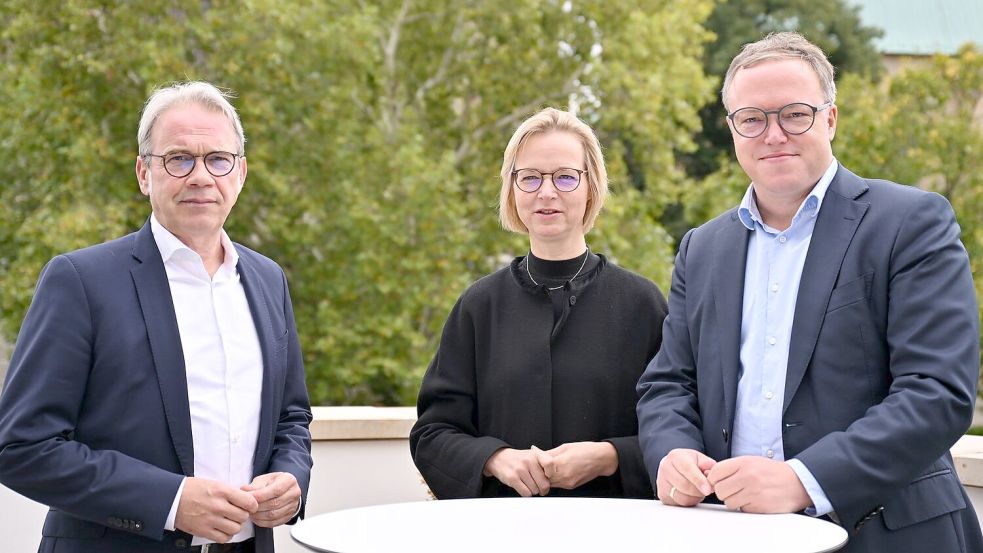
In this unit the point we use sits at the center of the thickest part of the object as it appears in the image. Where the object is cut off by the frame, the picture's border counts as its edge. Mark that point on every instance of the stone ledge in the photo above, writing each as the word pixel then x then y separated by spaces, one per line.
pixel 362 423
pixel 968 456
pixel 394 423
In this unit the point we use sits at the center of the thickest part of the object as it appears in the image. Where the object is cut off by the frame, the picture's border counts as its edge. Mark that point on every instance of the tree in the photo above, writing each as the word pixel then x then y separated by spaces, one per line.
pixel 375 135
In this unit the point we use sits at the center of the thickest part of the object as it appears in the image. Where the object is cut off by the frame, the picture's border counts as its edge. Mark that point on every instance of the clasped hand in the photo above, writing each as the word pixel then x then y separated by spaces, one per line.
pixel 748 483
pixel 534 471
pixel 216 511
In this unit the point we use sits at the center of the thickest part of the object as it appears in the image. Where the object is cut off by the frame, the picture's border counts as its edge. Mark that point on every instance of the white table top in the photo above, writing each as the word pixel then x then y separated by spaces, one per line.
pixel 570 525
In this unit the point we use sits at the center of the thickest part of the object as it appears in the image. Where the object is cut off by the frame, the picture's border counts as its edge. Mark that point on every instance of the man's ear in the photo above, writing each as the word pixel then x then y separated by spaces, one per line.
pixel 242 172
pixel 143 175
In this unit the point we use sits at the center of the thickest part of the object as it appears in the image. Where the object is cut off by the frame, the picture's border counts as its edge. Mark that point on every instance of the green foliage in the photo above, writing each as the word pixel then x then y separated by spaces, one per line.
pixel 375 135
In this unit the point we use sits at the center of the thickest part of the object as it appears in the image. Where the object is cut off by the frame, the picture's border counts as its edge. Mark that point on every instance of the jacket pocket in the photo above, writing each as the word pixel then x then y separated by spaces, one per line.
pixel 928 496
pixel 59 525
pixel 850 292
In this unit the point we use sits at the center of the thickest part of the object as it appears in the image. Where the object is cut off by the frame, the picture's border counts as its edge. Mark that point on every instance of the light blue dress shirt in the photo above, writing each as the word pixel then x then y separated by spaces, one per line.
pixel 771 284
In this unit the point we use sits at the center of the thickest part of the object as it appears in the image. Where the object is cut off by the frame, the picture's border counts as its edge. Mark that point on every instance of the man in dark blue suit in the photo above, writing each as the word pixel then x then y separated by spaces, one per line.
pixel 155 398
pixel 821 351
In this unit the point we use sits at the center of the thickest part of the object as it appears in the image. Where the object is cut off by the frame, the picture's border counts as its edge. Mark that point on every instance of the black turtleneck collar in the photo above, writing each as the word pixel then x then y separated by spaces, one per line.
pixel 558 269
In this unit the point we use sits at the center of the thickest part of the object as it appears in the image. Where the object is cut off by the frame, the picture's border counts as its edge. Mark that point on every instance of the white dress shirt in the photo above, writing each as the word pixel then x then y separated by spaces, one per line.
pixel 775 260
pixel 223 363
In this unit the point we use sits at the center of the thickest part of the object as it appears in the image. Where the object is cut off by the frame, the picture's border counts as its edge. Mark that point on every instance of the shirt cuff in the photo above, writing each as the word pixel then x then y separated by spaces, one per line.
pixel 820 503
pixel 172 514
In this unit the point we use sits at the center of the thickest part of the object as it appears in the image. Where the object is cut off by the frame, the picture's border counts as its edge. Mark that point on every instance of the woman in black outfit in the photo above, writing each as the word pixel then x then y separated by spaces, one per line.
pixel 532 389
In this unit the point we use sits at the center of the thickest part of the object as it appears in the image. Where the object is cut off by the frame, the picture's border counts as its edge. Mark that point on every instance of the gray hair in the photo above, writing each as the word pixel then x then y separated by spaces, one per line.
pixel 780 46
pixel 200 93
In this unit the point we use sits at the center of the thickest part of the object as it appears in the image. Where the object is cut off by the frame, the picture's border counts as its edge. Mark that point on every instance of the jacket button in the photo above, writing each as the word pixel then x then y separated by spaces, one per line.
pixel 573 300
pixel 181 543
pixel 138 526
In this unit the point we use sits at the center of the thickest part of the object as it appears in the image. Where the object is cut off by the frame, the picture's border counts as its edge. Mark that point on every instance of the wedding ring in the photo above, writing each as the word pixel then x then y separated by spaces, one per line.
pixel 672 493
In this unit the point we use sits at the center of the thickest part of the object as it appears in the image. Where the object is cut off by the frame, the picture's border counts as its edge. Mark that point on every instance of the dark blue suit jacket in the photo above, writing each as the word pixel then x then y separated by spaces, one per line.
pixel 94 416
pixel 882 367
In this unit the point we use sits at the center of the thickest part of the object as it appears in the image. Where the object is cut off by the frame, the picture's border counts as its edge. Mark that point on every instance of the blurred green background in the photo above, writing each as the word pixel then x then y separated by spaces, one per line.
pixel 376 129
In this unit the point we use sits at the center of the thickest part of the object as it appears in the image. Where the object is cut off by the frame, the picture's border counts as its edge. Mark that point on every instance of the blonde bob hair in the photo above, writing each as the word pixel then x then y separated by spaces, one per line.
pixel 554 120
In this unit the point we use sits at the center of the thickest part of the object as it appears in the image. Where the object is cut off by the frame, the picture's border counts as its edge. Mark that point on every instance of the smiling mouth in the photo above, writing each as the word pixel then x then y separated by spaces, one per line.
pixel 781 155
pixel 547 211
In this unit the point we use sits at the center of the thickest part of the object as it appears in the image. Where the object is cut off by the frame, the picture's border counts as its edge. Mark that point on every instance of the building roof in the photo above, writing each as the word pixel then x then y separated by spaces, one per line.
pixel 923 27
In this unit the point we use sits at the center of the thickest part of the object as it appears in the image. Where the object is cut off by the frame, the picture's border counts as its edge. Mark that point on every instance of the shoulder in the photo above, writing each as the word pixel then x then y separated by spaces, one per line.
pixel 883 194
pixel 630 290
pixel 99 259
pixel 259 262
pixel 489 286
pixel 618 275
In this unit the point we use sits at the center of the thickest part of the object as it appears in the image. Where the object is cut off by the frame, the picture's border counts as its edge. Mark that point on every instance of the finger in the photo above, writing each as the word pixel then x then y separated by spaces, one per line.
pixel 689 478
pixel 279 504
pixel 722 471
pixel 529 480
pixel 542 481
pixel 705 463
pixel 259 482
pixel 737 502
pixel 728 489
pixel 521 487
pixel 227 528
pixel 242 500
pixel 270 491
pixel 546 462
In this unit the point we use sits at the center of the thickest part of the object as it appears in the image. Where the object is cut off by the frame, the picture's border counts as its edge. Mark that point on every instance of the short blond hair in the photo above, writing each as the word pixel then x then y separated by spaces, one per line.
pixel 781 46
pixel 554 120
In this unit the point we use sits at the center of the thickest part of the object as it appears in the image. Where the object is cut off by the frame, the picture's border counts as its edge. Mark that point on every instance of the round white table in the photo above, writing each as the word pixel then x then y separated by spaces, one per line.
pixel 570 525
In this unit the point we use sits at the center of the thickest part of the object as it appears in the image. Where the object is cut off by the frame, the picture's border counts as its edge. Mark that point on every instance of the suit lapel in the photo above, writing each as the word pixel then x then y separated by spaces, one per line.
pixel 837 222
pixel 729 259
pixel 259 306
pixel 153 292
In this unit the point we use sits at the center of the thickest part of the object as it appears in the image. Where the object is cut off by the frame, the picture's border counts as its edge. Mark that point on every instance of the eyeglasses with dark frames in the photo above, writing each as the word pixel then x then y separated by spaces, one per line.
pixel 795 118
pixel 565 179
pixel 181 164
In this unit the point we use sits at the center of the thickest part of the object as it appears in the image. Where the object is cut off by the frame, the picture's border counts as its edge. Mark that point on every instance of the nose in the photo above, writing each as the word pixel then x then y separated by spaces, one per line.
pixel 775 134
pixel 199 175
pixel 547 191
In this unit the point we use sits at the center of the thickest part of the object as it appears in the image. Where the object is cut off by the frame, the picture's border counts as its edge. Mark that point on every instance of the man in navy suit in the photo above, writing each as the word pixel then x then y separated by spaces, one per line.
pixel 821 351
pixel 155 398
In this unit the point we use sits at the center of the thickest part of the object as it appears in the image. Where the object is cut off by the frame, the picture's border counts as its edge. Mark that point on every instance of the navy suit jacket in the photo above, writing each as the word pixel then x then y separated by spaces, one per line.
pixel 882 367
pixel 94 416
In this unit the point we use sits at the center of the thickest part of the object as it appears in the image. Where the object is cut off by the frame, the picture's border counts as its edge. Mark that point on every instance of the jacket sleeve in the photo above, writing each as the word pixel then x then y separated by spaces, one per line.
pixel 292 442
pixel 444 442
pixel 635 480
pixel 932 339
pixel 668 407
pixel 631 468
pixel 42 397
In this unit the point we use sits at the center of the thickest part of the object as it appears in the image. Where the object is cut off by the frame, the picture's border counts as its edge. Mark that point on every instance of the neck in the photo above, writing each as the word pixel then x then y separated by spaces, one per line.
pixel 209 248
pixel 777 212
pixel 559 250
